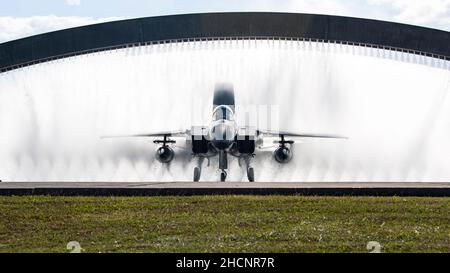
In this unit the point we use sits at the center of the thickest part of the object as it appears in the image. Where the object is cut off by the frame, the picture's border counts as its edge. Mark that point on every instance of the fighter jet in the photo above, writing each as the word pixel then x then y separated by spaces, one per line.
pixel 223 137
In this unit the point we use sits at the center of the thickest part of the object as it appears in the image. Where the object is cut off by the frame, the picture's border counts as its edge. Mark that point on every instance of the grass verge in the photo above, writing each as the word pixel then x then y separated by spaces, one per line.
pixel 224 224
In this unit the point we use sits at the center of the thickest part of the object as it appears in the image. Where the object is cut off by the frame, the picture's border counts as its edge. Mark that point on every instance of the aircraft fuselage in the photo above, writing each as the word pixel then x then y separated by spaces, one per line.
pixel 223 128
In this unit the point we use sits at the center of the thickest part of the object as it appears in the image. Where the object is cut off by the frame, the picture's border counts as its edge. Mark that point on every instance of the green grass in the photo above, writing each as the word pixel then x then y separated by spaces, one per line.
pixel 224 224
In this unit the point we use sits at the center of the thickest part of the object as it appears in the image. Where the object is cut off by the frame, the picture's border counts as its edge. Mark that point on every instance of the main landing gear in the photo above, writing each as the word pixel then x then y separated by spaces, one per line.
pixel 198 168
pixel 197 173
pixel 251 174
pixel 250 171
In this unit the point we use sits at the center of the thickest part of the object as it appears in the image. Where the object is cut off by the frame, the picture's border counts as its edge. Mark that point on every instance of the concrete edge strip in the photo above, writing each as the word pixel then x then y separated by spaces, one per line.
pixel 111 191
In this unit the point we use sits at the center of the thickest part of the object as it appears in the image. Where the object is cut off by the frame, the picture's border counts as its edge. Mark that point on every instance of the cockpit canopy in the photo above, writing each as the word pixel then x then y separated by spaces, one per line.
pixel 223 112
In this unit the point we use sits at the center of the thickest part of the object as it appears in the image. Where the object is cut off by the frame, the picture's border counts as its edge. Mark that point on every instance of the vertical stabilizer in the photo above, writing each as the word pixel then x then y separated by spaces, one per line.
pixel 224 95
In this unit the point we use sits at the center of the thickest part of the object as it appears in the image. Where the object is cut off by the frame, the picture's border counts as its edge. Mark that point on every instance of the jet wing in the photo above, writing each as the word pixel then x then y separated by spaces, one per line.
pixel 156 134
pixel 299 135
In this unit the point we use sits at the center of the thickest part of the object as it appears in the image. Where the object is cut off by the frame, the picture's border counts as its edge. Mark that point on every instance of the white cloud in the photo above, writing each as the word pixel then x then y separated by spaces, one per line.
pixel 12 28
pixel 431 12
pixel 73 2
pixel 331 7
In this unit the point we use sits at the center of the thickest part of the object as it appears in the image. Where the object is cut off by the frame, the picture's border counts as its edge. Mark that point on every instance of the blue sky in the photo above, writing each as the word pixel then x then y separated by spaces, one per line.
pixel 20 18
pixel 138 8
pixel 96 8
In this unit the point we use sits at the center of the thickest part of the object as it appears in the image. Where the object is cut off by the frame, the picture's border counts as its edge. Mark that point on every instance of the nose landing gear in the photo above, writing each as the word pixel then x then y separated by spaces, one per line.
pixel 223 165
pixel 223 176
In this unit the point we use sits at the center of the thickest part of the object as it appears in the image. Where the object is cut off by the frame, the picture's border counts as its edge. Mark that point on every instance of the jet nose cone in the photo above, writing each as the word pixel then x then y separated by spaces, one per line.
pixel 222 135
pixel 223 131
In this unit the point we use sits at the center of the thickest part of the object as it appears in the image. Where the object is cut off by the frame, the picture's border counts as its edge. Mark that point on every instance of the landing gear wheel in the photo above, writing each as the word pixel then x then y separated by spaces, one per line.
pixel 223 176
pixel 251 174
pixel 196 174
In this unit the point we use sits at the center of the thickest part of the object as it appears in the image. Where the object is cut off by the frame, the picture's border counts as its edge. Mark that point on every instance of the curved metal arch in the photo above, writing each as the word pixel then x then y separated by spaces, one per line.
pixel 211 26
